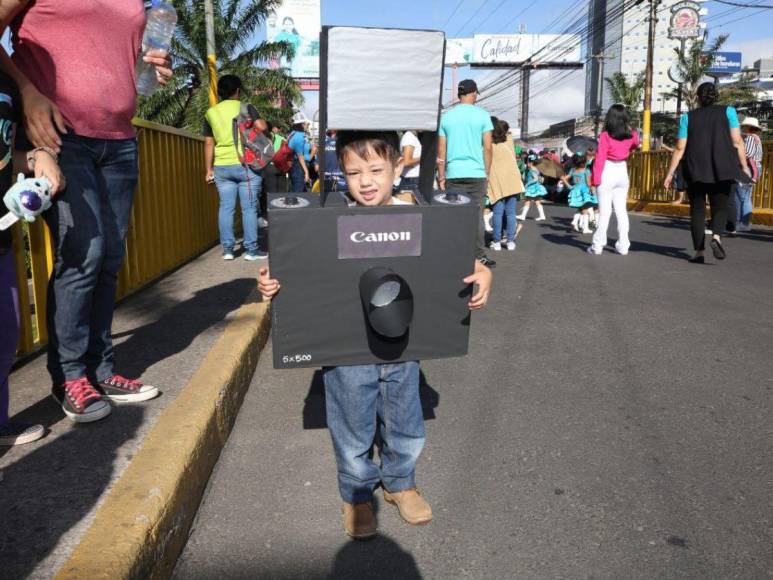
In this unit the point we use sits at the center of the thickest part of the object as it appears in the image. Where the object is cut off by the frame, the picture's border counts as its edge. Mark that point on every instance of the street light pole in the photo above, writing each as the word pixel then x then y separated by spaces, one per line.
pixel 646 117
pixel 209 21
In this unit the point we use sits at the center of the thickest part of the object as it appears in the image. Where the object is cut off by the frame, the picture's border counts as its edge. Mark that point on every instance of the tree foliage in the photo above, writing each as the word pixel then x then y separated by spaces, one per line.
pixel 185 100
pixel 692 65
pixel 627 93
pixel 742 91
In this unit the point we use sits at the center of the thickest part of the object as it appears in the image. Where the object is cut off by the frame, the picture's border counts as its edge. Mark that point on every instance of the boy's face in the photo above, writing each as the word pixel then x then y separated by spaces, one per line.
pixel 370 180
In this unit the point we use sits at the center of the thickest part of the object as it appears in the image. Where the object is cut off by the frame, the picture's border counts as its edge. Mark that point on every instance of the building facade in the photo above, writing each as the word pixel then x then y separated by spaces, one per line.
pixel 618 40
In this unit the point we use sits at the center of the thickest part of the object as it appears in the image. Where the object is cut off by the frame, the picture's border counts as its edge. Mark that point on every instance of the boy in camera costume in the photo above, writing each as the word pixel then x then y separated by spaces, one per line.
pixel 383 393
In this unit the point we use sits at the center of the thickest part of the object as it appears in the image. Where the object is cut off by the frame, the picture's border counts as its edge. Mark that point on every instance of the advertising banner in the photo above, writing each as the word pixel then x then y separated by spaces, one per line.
pixel 726 63
pixel 517 48
pixel 297 22
pixel 459 51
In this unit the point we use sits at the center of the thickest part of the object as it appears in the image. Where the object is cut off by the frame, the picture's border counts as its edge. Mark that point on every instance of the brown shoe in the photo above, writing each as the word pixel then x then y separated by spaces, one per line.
pixel 360 520
pixel 413 508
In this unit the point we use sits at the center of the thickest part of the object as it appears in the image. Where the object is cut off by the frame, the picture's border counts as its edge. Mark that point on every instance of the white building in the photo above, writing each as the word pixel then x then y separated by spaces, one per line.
pixel 623 44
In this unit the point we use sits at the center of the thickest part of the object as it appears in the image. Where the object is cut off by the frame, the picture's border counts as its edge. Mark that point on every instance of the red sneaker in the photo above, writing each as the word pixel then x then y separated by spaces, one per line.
pixel 122 390
pixel 80 401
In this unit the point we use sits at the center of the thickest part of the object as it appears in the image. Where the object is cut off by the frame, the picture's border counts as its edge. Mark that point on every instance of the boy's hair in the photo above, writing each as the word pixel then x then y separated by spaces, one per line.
pixel 227 86
pixel 385 144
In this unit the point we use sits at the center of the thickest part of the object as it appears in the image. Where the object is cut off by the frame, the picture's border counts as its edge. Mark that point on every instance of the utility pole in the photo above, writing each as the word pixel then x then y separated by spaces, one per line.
pixel 525 75
pixel 600 58
pixel 646 118
pixel 209 21
pixel 454 96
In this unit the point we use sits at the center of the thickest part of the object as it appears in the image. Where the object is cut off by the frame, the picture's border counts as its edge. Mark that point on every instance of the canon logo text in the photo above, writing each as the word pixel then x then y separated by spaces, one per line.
pixel 360 237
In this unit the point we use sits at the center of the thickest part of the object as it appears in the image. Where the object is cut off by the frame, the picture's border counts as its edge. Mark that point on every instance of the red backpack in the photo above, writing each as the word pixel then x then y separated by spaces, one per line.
pixel 283 157
pixel 257 150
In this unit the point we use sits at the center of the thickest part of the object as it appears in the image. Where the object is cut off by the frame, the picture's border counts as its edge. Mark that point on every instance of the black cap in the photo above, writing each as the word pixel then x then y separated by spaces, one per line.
pixel 466 87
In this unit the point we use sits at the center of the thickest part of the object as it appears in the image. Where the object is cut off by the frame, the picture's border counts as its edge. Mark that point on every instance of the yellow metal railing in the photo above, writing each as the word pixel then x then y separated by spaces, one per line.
pixel 647 171
pixel 173 220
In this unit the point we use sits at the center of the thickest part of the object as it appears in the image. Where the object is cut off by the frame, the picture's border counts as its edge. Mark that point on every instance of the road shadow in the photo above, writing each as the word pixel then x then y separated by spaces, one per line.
pixel 377 559
pixel 583 244
pixel 51 489
pixel 179 325
pixel 315 415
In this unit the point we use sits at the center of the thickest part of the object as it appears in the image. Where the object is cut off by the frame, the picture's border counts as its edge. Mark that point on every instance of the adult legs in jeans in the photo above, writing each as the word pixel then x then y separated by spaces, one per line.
pixel 743 205
pixel 228 191
pixel 9 322
pixel 476 188
pixel 88 224
pixel 360 398
pixel 297 178
pixel 504 208
pixel 718 194
pixel 249 191
pixel 234 181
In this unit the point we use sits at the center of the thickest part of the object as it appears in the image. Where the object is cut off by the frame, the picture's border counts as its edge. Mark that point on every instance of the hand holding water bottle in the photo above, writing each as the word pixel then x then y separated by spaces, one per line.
pixel 155 64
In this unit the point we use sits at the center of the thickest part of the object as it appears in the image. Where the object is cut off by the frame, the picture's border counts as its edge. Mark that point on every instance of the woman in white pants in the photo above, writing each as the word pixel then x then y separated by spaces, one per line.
pixel 610 176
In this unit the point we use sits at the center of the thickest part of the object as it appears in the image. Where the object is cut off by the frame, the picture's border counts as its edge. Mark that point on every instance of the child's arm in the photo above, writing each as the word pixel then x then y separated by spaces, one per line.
pixel 588 178
pixel 267 286
pixel 481 277
pixel 43 164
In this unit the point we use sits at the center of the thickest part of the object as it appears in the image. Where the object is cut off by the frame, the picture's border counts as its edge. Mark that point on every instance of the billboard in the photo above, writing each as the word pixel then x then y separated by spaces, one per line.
pixel 725 63
pixel 685 20
pixel 297 22
pixel 516 48
pixel 459 51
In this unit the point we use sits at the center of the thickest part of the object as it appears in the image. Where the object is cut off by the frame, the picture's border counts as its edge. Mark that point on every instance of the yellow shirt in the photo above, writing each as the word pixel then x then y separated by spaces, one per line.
pixel 220 119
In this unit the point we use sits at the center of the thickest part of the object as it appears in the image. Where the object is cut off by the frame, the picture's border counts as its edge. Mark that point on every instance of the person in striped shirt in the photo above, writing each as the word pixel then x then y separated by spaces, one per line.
pixel 743 191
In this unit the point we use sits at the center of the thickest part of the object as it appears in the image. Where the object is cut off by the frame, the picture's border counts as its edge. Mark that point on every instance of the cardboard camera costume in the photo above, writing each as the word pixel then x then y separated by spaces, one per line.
pixel 364 285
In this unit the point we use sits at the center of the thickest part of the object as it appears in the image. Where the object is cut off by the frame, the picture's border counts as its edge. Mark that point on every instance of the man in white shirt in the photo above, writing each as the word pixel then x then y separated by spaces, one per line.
pixel 410 149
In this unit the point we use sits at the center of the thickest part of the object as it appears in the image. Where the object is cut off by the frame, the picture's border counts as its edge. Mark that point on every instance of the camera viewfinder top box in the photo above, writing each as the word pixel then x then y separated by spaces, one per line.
pixel 363 285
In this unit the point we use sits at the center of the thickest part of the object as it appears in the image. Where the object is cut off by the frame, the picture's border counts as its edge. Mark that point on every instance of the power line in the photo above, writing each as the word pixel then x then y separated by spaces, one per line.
pixel 474 14
pixel 452 14
pixel 739 5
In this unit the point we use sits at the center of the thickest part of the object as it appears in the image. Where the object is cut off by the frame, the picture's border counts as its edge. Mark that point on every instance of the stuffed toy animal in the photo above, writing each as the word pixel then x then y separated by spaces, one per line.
pixel 27 199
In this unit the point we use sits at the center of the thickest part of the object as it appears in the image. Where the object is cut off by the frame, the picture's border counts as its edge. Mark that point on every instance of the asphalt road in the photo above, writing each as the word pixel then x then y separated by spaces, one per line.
pixel 613 419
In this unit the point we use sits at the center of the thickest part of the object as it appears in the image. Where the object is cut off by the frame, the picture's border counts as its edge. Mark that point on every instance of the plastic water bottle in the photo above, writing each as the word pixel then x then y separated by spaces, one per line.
pixel 159 29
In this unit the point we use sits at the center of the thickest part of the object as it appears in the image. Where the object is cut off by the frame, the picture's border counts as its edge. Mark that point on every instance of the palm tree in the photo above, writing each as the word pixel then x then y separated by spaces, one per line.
pixel 693 64
pixel 184 101
pixel 628 94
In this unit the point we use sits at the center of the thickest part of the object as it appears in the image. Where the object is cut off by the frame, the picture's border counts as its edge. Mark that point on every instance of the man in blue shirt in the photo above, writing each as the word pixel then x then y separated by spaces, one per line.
pixel 464 153
pixel 299 172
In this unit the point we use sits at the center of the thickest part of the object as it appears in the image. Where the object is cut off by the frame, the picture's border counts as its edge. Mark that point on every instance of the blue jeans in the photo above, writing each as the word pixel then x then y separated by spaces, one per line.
pixel 505 206
pixel 743 203
pixel 297 178
pixel 234 181
pixel 360 399
pixel 88 224
pixel 9 322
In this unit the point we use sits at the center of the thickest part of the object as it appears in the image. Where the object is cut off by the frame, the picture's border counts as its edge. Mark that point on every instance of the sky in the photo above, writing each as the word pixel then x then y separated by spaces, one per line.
pixel 750 32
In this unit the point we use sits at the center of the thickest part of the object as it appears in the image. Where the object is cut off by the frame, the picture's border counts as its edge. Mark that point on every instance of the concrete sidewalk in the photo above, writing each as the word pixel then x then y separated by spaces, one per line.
pixel 51 489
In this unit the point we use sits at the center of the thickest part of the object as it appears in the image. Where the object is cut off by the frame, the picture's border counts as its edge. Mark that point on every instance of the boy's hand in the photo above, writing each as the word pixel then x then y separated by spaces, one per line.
pixel 45 166
pixel 267 286
pixel 482 279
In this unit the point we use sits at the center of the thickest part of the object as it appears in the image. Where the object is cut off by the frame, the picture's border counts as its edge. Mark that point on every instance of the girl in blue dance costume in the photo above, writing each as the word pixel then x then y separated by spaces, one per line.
pixel 534 189
pixel 580 196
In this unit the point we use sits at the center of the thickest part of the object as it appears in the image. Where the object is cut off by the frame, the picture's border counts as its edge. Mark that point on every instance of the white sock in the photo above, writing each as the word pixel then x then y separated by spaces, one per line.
pixel 576 220
pixel 541 211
